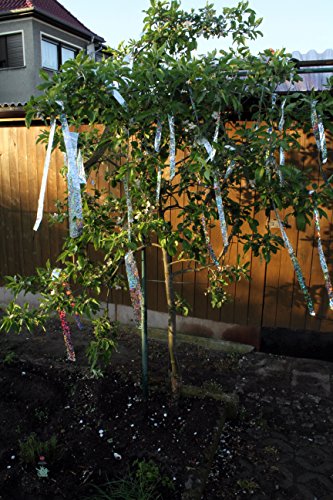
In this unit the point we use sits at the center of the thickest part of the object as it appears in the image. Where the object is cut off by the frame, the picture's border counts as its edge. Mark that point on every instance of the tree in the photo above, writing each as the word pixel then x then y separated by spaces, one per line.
pixel 134 110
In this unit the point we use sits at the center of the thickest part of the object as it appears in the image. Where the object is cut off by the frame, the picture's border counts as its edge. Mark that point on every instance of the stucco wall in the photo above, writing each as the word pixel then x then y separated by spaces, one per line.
pixel 18 84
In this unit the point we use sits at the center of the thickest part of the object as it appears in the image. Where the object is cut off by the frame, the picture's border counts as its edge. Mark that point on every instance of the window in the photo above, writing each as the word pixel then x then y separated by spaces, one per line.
pixel 11 51
pixel 55 53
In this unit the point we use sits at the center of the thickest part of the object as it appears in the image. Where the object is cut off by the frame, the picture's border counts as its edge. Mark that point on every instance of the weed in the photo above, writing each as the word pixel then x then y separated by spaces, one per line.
pixel 230 361
pixel 271 450
pixel 9 358
pixel 247 485
pixel 212 386
pixel 41 415
pixel 143 483
pixel 32 448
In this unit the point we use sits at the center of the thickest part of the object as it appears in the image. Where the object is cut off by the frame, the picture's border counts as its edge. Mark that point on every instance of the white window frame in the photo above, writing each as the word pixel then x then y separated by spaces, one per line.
pixel 58 41
pixel 23 48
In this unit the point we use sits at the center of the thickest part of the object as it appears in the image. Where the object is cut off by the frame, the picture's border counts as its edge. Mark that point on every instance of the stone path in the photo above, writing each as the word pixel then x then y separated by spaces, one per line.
pixel 282 447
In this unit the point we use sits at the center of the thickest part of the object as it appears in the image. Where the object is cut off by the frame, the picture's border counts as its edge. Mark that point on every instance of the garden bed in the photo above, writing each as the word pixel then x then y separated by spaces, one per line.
pixel 104 430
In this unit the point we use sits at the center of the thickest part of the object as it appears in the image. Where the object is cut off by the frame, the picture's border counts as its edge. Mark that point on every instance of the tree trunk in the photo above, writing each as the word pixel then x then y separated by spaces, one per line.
pixel 170 296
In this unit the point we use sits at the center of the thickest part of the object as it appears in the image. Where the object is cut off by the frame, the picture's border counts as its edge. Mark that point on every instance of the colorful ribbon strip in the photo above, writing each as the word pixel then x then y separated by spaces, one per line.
pixel 134 286
pixel 44 178
pixel 56 275
pixel 157 145
pixel 319 132
pixel 296 265
pixel 70 297
pixel 172 155
pixel 73 180
pixel 209 245
pixel 67 336
pixel 322 259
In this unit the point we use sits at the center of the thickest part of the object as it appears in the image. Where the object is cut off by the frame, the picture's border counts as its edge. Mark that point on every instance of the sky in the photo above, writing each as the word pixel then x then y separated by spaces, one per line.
pixel 292 24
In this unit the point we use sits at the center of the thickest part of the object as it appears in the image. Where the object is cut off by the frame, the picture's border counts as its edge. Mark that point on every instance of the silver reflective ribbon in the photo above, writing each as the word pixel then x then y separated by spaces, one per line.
pixel 73 180
pixel 80 167
pixel 202 141
pixel 322 260
pixel 157 146
pixel 282 160
pixel 220 209
pixel 231 166
pixel 44 178
pixel 172 154
pixel 129 207
pixel 119 98
pixel 319 132
pixel 296 265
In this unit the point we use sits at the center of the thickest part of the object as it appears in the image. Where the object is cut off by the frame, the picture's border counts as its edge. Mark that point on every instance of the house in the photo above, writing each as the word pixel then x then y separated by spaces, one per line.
pixel 36 34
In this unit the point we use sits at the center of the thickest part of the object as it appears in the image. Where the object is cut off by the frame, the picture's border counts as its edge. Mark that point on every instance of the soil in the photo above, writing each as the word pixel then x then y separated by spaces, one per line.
pixel 104 428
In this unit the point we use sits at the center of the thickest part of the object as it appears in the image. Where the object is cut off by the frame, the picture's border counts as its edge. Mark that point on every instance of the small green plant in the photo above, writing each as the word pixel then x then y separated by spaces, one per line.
pixel 247 485
pixel 143 483
pixel 41 415
pixel 100 349
pixel 32 448
pixel 212 386
pixel 271 450
pixel 9 358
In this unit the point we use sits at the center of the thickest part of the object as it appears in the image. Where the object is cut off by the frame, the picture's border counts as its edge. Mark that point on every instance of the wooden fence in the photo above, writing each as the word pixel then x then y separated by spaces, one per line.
pixel 271 298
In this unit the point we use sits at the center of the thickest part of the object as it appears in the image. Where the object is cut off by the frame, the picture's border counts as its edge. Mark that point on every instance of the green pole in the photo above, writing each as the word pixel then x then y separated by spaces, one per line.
pixel 144 326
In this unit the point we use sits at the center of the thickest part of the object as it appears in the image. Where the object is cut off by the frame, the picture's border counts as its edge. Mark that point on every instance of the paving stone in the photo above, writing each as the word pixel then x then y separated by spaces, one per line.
pixel 315 380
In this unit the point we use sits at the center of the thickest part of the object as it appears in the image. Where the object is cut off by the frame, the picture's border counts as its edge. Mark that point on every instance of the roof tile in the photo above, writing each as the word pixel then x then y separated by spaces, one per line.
pixel 52 8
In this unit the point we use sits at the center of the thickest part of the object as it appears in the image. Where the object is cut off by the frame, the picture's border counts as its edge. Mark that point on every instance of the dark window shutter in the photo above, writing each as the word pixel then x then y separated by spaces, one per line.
pixel 15 50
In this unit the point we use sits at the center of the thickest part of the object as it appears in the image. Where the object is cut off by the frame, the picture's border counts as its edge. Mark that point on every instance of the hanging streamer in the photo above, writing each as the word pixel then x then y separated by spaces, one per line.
pixel 323 263
pixel 231 164
pixel 220 209
pixel 319 132
pixel 230 169
pixel 216 135
pixel 119 98
pixel 44 178
pixel 134 286
pixel 270 160
pixel 73 180
pixel 296 265
pixel 70 297
pixel 282 155
pixel 80 167
pixel 55 275
pixel 172 147
pixel 157 145
pixel 129 207
pixel 209 245
pixel 67 336
pixel 202 141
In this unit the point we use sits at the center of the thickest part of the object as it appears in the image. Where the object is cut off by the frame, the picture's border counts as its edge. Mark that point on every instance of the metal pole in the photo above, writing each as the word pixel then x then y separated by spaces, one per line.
pixel 144 326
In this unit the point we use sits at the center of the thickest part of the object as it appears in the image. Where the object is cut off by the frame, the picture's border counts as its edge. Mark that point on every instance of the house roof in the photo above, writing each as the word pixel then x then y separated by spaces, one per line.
pixel 312 61
pixel 51 9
